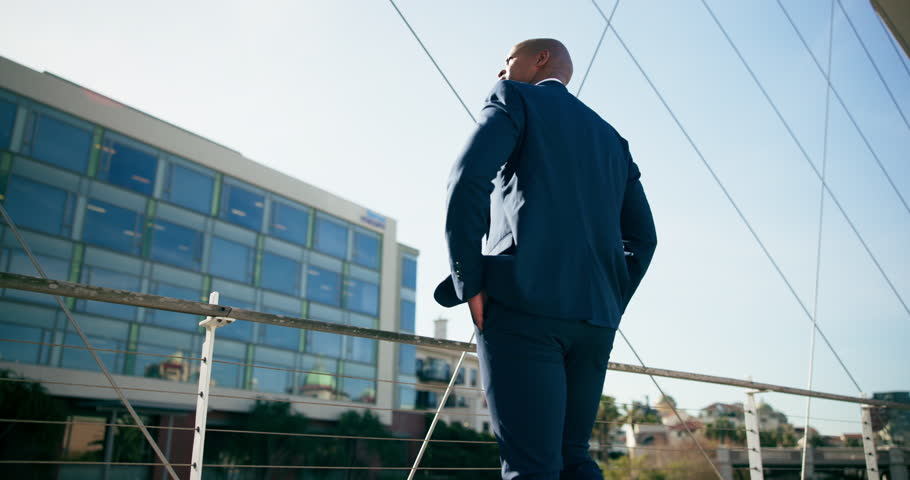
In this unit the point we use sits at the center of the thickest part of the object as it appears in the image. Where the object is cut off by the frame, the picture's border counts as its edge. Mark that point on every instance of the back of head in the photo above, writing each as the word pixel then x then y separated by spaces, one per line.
pixel 556 61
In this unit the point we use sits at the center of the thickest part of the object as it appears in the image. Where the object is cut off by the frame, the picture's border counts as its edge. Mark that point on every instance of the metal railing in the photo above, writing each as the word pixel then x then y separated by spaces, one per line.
pixel 126 297
pixel 221 316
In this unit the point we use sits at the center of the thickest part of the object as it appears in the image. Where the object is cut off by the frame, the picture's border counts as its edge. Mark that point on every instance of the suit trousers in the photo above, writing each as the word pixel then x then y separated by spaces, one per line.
pixel 543 378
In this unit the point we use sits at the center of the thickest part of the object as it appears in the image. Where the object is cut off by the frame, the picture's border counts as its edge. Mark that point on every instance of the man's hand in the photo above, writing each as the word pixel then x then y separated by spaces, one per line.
pixel 475 305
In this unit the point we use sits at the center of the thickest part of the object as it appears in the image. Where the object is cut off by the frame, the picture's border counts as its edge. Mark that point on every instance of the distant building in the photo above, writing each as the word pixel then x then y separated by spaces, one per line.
pixel 892 425
pixel 110 196
pixel 434 367
pixel 732 412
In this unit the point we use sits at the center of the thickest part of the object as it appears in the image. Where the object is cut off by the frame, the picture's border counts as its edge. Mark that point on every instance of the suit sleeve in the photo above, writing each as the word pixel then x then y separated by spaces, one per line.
pixel 637 226
pixel 498 131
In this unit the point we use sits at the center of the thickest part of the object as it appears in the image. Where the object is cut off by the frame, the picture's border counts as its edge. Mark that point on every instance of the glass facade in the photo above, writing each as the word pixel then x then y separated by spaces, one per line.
pixel 289 222
pixel 280 273
pixel 128 164
pixel 113 227
pixel 331 236
pixel 231 260
pixel 7 121
pixel 409 273
pixel 189 187
pixel 102 208
pixel 58 139
pixel 407 319
pixel 323 285
pixel 177 245
pixel 242 204
pixel 24 197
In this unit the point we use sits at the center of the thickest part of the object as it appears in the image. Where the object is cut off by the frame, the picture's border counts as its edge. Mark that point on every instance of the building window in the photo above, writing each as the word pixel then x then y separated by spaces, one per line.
pixel 409 273
pixel 361 350
pixel 331 237
pixel 228 375
pixel 361 389
pixel 172 345
pixel 56 268
pixel 128 164
pixel 231 260
pixel 408 316
pixel 241 205
pixel 317 385
pixel 361 296
pixel 112 227
pixel 82 359
pixel 289 223
pixel 473 377
pixel 323 286
pixel 7 120
pixel 280 274
pixel 366 250
pixel 426 399
pixel 39 206
pixel 278 336
pixel 407 360
pixel 176 245
pixel 20 352
pixel 276 379
pixel 323 343
pixel 407 397
pixel 164 318
pixel 101 277
pixel 357 390
pixel 188 188
pixel 57 142
pixel 434 369
pixel 239 330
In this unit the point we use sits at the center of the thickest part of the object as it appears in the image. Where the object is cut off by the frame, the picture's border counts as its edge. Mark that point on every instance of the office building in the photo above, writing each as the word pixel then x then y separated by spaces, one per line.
pixel 109 196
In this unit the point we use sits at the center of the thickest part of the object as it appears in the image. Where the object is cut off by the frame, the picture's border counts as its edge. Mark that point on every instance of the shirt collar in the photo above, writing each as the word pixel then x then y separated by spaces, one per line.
pixel 549 79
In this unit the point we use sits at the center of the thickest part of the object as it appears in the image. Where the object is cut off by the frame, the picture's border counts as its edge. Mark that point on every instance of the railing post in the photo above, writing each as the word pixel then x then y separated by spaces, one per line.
pixel 205 382
pixel 753 439
pixel 869 444
pixel 724 462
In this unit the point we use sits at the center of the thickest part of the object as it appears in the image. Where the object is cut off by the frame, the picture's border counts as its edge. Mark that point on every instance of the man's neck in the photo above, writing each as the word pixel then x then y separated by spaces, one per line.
pixel 550 79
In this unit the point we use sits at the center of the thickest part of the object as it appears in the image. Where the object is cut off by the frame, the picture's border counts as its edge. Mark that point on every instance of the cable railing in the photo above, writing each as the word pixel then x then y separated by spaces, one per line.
pixel 89 292
pixel 126 297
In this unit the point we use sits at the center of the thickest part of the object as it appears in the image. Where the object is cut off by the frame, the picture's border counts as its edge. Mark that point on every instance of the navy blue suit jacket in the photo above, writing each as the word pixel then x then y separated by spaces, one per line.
pixel 542 204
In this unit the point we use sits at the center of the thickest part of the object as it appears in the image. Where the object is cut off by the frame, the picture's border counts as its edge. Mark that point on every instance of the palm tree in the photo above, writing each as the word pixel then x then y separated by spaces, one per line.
pixel 607 418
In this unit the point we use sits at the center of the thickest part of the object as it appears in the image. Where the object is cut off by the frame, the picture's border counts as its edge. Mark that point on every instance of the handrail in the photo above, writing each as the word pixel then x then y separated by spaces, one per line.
pixel 126 297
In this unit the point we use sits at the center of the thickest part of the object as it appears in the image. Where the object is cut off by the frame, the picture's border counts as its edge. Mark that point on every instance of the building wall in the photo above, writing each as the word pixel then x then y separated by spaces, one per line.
pixel 466 403
pixel 109 196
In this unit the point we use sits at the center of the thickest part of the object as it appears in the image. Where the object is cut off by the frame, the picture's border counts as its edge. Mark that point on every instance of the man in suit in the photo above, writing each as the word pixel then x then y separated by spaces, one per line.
pixel 543 168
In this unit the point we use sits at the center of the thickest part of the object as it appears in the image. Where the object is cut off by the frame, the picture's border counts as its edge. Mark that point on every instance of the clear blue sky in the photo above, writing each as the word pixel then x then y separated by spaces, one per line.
pixel 340 95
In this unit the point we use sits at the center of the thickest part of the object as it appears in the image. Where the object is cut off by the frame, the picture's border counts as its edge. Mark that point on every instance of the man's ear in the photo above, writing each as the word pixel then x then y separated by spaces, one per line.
pixel 543 57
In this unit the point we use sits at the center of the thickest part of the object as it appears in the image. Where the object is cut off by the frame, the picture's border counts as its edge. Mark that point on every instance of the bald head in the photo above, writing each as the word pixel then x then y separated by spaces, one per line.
pixel 538 59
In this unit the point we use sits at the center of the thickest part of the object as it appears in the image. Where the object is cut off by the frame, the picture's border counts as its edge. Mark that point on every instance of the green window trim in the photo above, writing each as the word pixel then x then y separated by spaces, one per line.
pixel 75 269
pixel 304 313
pixel 216 194
pixel 129 363
pixel 95 155
pixel 248 371
pixel 151 206
pixel 257 265
pixel 309 231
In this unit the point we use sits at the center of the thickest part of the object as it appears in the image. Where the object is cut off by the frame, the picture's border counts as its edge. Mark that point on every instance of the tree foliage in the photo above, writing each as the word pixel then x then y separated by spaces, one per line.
pixel 477 455
pixel 29 441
